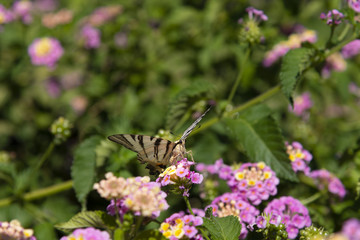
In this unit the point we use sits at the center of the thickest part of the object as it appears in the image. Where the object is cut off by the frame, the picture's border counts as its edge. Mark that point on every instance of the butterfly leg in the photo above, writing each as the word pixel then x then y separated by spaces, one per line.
pixel 189 153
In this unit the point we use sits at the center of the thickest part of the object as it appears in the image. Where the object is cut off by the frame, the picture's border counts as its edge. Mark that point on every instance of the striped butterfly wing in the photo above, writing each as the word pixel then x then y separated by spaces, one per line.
pixel 156 152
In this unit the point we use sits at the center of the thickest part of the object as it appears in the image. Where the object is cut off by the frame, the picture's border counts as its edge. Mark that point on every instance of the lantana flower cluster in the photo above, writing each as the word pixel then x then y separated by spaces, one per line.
pixel 354 4
pixel 299 157
pixel 87 234
pixel 180 177
pixel 22 9
pixel 234 204
pixel 333 17
pixel 45 51
pixel 255 182
pixel 90 36
pixel 294 41
pixel 289 211
pixel 6 15
pixel 302 103
pixel 138 195
pixel 14 231
pixel 351 229
pixel 181 226
pixel 324 178
pixel 250 32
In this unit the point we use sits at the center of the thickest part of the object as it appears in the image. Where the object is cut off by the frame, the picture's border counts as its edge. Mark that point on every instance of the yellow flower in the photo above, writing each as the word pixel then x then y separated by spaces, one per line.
pixel 167 234
pixel 261 165
pixel 43 47
pixel 251 182
pixel 267 175
pixel 164 226
pixel 2 18
pixel 179 233
pixel 239 176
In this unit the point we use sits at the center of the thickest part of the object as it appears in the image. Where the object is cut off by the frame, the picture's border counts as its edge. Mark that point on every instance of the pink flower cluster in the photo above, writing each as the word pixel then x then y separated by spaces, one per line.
pixel 351 49
pixel 255 182
pixel 22 9
pixel 301 104
pixel 14 230
pixel 103 14
pixel 294 41
pixel 289 211
pixel 324 178
pixel 6 15
pixel 91 36
pixel 180 176
pixel 234 204
pixel 351 229
pixel 333 17
pixel 354 4
pixel 45 51
pixel 87 234
pixel 334 62
pixel 256 15
pixel 138 195
pixel 181 226
pixel 299 157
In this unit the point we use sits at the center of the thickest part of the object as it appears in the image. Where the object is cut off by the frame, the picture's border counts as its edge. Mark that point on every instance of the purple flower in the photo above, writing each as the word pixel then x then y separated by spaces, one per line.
pixel 351 229
pixel 91 36
pixel 5 15
pixel 88 234
pixel 53 87
pixel 291 212
pixel 354 4
pixel 333 17
pixel 351 49
pixel 45 51
pixel 334 62
pixel 22 10
pixel 256 15
pixel 46 5
pixel 235 205
pixel 301 104
pixel 254 182
pixel 323 178
pixel 299 157
pixel 261 222
pixel 197 178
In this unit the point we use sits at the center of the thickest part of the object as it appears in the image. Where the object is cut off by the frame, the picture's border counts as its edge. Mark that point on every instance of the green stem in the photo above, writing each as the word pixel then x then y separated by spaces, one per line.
pixel 118 221
pixel 341 45
pixel 192 213
pixel 240 74
pixel 311 199
pixel 45 156
pixel 137 226
pixel 40 193
pixel 240 108
pixel 344 32
pixel 188 205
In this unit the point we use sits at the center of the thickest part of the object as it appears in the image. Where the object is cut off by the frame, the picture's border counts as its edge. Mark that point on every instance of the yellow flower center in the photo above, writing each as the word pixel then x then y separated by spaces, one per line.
pixel 239 176
pixel 43 47
pixel 165 226
pixel 179 233
pixel 167 234
pixel 261 165
pixel 267 175
pixel 2 18
pixel 251 182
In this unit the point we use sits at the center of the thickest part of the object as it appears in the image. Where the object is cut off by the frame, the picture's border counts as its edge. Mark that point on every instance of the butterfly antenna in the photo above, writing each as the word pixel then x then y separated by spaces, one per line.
pixel 192 126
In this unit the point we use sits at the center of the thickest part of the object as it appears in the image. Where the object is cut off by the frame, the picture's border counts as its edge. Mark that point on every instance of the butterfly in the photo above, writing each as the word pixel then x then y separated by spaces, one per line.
pixel 157 153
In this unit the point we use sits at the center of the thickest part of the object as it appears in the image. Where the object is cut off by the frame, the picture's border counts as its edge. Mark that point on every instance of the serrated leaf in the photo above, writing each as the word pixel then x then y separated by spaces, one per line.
pixel 83 168
pixel 292 66
pixel 256 113
pixel 196 91
pixel 263 142
pixel 150 234
pixel 96 219
pixel 224 228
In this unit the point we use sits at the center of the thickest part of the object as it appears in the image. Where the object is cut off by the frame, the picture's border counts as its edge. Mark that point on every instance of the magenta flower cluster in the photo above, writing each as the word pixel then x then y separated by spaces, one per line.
pixel 354 4
pixel 138 195
pixel 333 17
pixel 301 104
pixel 181 226
pixel 289 211
pixel 22 9
pixel 233 204
pixel 334 62
pixel 351 229
pixel 324 178
pixel 180 177
pixel 91 36
pixel 6 15
pixel 45 51
pixel 299 157
pixel 87 234
pixel 351 49
pixel 256 15
pixel 255 182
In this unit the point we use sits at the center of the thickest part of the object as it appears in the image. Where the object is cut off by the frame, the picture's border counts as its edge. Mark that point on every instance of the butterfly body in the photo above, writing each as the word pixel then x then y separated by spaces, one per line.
pixel 157 153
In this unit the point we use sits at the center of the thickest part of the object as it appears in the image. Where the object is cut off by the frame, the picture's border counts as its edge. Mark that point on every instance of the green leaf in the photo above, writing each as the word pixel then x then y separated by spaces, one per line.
pixel 263 142
pixel 96 219
pixel 292 66
pixel 198 90
pixel 150 234
pixel 225 228
pixel 256 113
pixel 83 168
